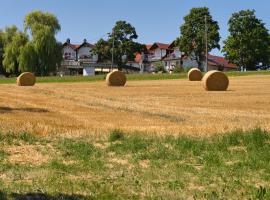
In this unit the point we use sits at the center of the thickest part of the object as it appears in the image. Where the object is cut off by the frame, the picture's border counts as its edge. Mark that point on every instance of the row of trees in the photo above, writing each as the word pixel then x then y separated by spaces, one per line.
pixel 35 49
pixel 247 45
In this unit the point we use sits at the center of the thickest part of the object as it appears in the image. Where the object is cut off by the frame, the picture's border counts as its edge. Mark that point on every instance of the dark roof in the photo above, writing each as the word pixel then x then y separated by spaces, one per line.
pixel 159 45
pixel 220 61
pixel 86 44
pixel 78 46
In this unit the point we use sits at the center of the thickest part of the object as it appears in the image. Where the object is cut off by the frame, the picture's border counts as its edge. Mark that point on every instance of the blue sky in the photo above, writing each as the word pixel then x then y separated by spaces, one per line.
pixel 155 20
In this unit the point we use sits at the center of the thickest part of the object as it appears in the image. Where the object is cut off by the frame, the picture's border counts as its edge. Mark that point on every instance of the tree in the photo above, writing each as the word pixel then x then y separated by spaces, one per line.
pixel 5 39
pixel 12 50
pixel 122 38
pixel 192 39
pixel 48 52
pixel 36 20
pixel 248 42
pixel 1 51
pixel 28 58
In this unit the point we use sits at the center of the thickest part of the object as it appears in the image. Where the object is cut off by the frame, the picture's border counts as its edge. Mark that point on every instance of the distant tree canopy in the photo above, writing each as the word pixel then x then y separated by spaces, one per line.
pixel 122 36
pixel 192 39
pixel 249 42
pixel 41 55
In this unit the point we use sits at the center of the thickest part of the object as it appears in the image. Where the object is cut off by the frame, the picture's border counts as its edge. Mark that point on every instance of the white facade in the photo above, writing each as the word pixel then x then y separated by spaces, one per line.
pixel 84 52
pixel 88 71
pixel 69 53
pixel 158 53
pixel 177 53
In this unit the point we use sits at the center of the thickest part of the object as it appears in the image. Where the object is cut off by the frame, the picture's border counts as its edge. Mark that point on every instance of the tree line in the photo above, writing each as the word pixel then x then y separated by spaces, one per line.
pixel 36 49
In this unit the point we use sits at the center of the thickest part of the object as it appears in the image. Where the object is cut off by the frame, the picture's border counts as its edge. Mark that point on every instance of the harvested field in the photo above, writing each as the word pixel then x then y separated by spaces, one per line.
pixel 161 107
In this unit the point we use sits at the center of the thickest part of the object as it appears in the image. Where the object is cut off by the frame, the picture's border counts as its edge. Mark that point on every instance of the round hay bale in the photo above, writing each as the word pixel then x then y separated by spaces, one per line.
pixel 26 79
pixel 215 81
pixel 195 74
pixel 116 78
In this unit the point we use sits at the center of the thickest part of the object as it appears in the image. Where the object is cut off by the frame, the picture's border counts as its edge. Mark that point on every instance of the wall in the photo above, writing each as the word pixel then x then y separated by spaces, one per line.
pixel 89 71
pixel 71 53
pixel 159 53
pixel 84 51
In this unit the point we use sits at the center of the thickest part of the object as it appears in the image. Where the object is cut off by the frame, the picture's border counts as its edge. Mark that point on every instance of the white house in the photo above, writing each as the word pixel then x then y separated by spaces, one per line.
pixel 157 51
pixel 78 59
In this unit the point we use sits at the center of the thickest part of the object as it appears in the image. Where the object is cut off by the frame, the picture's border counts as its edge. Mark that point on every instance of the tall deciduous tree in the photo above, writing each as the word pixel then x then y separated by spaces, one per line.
pixel 5 38
pixel 122 38
pixel 48 55
pixel 1 51
pixel 248 42
pixel 14 43
pixel 192 39
pixel 28 59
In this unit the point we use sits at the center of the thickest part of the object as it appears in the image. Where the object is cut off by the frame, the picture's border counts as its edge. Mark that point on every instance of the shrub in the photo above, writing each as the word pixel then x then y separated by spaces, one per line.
pixel 159 67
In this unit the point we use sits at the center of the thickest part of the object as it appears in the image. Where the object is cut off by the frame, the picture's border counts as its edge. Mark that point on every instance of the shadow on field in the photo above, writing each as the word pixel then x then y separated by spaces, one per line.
pixel 40 196
pixel 32 110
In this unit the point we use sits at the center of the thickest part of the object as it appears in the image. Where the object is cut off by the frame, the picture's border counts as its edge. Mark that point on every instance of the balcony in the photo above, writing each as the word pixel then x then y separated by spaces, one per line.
pixel 71 64
pixel 151 57
pixel 87 59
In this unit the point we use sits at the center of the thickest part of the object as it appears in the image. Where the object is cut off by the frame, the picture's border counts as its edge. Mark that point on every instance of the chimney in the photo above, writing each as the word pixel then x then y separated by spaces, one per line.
pixel 68 41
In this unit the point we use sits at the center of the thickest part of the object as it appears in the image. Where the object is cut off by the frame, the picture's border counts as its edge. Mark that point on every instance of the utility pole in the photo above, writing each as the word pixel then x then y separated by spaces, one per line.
pixel 206 44
pixel 112 51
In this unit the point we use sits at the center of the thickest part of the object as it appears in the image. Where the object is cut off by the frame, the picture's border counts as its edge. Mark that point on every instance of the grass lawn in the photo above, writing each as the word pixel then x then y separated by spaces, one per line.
pixel 122 165
pixel 67 79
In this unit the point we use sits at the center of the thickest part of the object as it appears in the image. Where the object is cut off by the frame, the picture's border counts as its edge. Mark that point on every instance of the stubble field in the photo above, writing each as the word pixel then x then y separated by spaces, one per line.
pixel 161 107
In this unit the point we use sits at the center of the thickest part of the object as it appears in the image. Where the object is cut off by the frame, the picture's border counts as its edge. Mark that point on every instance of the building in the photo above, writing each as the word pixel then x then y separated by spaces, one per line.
pixel 78 59
pixel 220 63
pixel 171 56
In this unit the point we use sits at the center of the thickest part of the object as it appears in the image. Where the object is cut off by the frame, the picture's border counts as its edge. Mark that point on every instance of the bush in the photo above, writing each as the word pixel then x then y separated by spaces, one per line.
pixel 178 69
pixel 115 135
pixel 159 67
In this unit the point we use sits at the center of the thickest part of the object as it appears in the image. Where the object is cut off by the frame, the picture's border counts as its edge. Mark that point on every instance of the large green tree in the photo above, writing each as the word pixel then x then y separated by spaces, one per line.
pixel 43 51
pixel 1 51
pixel 6 37
pixel 248 42
pixel 122 38
pixel 192 40
pixel 12 51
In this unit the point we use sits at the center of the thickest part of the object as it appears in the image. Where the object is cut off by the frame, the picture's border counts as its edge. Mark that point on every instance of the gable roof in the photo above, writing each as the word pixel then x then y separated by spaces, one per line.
pixel 73 46
pixel 172 45
pixel 78 46
pixel 148 46
pixel 159 45
pixel 220 61
pixel 85 44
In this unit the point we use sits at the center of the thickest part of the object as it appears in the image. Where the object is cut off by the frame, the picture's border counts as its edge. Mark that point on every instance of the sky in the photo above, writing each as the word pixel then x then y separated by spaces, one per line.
pixel 154 20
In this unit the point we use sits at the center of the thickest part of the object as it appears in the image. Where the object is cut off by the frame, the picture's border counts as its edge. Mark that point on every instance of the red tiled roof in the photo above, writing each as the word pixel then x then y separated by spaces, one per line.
pixel 220 61
pixel 148 46
pixel 161 45
pixel 73 46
